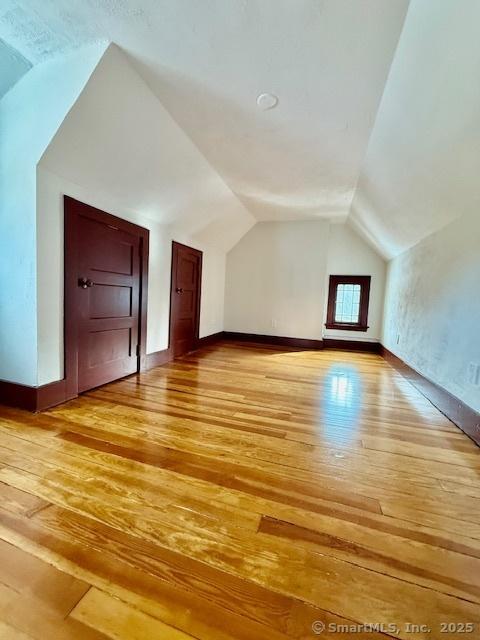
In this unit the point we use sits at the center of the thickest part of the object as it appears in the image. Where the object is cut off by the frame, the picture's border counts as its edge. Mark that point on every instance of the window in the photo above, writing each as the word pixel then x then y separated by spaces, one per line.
pixel 348 303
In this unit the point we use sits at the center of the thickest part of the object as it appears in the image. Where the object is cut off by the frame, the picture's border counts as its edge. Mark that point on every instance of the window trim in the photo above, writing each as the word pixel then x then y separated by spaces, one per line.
pixel 361 325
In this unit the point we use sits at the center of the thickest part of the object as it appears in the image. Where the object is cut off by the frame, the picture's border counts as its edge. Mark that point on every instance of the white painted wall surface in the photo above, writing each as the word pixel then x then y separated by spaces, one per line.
pixel 30 114
pixel 432 307
pixel 276 274
pixel 279 272
pixel 349 254
pixel 120 151
pixel 51 189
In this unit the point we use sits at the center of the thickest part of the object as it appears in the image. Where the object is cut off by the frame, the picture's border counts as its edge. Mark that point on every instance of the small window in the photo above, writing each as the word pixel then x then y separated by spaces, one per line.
pixel 348 303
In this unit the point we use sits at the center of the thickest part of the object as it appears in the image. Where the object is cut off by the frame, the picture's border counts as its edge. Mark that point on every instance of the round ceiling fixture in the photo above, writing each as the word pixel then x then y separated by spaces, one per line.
pixel 267 101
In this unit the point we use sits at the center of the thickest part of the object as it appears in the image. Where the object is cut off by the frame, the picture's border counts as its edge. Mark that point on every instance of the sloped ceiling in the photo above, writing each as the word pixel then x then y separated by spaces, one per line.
pixel 12 67
pixel 328 62
pixel 423 162
pixel 152 168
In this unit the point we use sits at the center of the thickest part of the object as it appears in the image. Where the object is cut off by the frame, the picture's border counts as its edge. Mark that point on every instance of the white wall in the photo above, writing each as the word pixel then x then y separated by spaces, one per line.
pixel 30 113
pixel 276 274
pixel 51 189
pixel 349 254
pixel 279 271
pixel 120 151
pixel 432 307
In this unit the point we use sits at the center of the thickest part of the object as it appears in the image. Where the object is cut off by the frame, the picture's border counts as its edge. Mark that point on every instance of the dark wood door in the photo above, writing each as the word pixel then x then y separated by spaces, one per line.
pixel 103 296
pixel 185 298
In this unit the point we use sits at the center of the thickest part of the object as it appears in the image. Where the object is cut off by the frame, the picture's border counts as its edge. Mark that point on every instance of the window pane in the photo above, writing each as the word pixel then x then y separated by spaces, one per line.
pixel 347 303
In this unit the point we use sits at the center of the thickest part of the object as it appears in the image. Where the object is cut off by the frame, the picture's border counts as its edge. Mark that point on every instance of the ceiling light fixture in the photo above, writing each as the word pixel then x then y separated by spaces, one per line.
pixel 267 101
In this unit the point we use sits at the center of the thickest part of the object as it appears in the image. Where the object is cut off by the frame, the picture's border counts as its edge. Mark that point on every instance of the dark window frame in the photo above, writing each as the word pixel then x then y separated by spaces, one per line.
pixel 362 324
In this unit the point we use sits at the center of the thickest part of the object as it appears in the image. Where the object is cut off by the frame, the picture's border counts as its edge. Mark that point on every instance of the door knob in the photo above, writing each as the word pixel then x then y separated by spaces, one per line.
pixel 179 290
pixel 85 283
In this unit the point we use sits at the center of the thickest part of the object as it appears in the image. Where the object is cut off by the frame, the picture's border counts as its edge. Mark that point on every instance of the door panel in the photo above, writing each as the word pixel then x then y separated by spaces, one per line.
pixel 106 347
pixel 108 248
pixel 107 301
pixel 185 298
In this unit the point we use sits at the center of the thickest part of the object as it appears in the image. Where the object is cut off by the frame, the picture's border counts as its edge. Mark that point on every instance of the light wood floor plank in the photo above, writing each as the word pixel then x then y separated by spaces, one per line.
pixel 120 621
pixel 241 492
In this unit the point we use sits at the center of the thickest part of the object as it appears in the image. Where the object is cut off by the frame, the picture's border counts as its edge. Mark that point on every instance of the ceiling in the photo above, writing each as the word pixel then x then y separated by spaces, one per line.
pixel 12 67
pixel 377 114
pixel 153 170
pixel 422 167
pixel 208 60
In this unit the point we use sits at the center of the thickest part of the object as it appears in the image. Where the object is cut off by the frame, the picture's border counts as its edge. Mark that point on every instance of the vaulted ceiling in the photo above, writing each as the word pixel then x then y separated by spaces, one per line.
pixel 332 139
pixel 12 67
pixel 422 167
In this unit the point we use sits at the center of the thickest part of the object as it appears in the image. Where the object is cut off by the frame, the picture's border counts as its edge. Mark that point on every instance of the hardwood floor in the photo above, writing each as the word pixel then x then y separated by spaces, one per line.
pixel 245 493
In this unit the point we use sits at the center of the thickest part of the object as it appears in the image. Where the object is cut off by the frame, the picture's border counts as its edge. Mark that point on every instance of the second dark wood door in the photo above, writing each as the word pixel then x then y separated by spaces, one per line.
pixel 108 295
pixel 185 298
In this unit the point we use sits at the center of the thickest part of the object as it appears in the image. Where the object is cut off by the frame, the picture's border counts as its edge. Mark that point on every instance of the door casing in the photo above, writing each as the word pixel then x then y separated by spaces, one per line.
pixel 176 246
pixel 73 210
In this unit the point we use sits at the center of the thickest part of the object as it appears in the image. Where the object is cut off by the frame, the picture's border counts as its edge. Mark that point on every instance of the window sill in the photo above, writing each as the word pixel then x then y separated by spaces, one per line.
pixel 345 326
